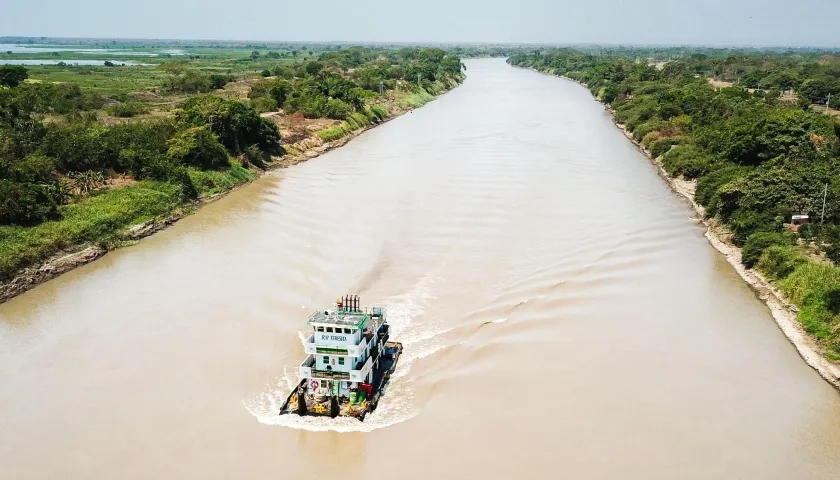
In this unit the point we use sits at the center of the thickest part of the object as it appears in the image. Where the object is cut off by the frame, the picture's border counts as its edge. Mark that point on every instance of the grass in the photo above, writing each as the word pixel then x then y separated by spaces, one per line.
pixel 418 99
pixel 212 182
pixel 815 289
pixel 99 219
pixel 120 80
pixel 103 217
pixel 103 80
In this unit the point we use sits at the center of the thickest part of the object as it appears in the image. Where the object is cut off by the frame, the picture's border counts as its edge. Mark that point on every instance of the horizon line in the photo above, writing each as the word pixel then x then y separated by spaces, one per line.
pixel 442 43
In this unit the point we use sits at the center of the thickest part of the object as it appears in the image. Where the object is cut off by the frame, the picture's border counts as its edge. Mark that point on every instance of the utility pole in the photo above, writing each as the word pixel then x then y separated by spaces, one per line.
pixel 825 194
pixel 418 79
pixel 827 102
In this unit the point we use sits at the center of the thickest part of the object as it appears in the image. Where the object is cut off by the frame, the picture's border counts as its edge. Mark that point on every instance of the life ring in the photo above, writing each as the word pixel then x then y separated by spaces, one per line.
pixel 314 384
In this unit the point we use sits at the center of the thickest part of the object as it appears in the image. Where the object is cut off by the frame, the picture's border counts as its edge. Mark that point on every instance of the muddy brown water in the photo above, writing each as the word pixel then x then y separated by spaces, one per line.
pixel 562 314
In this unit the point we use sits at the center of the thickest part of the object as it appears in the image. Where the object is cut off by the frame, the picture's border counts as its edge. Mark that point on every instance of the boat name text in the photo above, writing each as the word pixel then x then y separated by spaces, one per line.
pixel 334 338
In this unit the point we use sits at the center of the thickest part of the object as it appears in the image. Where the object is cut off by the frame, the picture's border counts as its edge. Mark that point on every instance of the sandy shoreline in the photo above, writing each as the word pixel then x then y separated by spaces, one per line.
pixel 34 275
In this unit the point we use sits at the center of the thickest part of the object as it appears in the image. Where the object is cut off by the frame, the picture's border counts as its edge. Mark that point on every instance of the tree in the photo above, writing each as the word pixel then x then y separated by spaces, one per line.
pixel 314 68
pixel 12 75
pixel 255 55
pixel 815 90
pixel 198 147
pixel 237 125
pixel 757 243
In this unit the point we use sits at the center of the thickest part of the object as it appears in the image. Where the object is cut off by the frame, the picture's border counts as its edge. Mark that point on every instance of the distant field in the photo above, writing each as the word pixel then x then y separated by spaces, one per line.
pixel 240 62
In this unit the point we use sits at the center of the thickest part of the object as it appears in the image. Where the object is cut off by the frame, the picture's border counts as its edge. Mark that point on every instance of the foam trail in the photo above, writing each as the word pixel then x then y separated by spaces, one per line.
pixel 398 404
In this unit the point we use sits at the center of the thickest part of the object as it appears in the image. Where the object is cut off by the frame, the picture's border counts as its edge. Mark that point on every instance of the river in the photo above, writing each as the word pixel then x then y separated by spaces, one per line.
pixel 562 315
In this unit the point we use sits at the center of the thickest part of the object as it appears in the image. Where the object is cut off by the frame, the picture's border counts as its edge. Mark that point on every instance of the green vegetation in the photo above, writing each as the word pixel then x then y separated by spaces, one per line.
pixel 87 152
pixel 99 218
pixel 758 156
pixel 12 75
pixel 344 82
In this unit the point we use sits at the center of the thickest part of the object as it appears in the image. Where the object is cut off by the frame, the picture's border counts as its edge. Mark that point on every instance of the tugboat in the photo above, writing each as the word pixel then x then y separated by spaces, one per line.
pixel 349 364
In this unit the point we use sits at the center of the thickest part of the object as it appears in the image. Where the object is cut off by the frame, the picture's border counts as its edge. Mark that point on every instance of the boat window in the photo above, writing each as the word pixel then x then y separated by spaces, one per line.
pixel 346 330
pixel 326 359
pixel 329 330
pixel 323 384
pixel 320 329
pixel 341 360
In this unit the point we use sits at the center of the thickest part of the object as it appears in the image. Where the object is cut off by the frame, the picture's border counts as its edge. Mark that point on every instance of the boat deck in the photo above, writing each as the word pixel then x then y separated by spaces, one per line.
pixel 322 406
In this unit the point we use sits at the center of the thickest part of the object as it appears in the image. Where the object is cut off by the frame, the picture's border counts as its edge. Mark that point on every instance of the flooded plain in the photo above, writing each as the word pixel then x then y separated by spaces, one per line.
pixel 562 315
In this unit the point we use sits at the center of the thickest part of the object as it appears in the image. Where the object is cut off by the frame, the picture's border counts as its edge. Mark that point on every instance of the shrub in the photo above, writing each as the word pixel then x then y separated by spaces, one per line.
pixel 128 109
pixel 219 81
pixel 685 160
pixel 744 223
pixel 25 203
pixel 34 168
pixel 334 133
pixel 256 157
pixel 237 125
pixel 378 113
pixel 661 146
pixel 164 169
pixel 12 75
pixel 210 182
pixel 815 288
pixel 190 81
pixel 264 104
pixel 609 94
pixel 808 231
pixel 757 243
pixel 779 261
pixel 198 147
pixel 54 97
pixel 709 184
pixel 640 131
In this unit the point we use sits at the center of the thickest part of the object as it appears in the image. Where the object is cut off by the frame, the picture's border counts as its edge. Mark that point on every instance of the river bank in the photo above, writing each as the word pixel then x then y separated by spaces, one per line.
pixel 784 312
pixel 313 146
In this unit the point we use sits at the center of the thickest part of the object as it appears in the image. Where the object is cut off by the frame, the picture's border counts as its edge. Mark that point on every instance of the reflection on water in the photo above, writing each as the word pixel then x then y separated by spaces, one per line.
pixel 561 312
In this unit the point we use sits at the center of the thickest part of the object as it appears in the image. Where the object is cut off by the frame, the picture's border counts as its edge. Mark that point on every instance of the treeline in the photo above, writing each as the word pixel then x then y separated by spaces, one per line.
pixel 757 159
pixel 39 159
pixel 339 84
pixel 813 77
pixel 70 175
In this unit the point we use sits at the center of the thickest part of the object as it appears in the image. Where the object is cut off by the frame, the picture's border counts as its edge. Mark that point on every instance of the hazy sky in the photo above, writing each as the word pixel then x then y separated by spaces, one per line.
pixel 718 22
